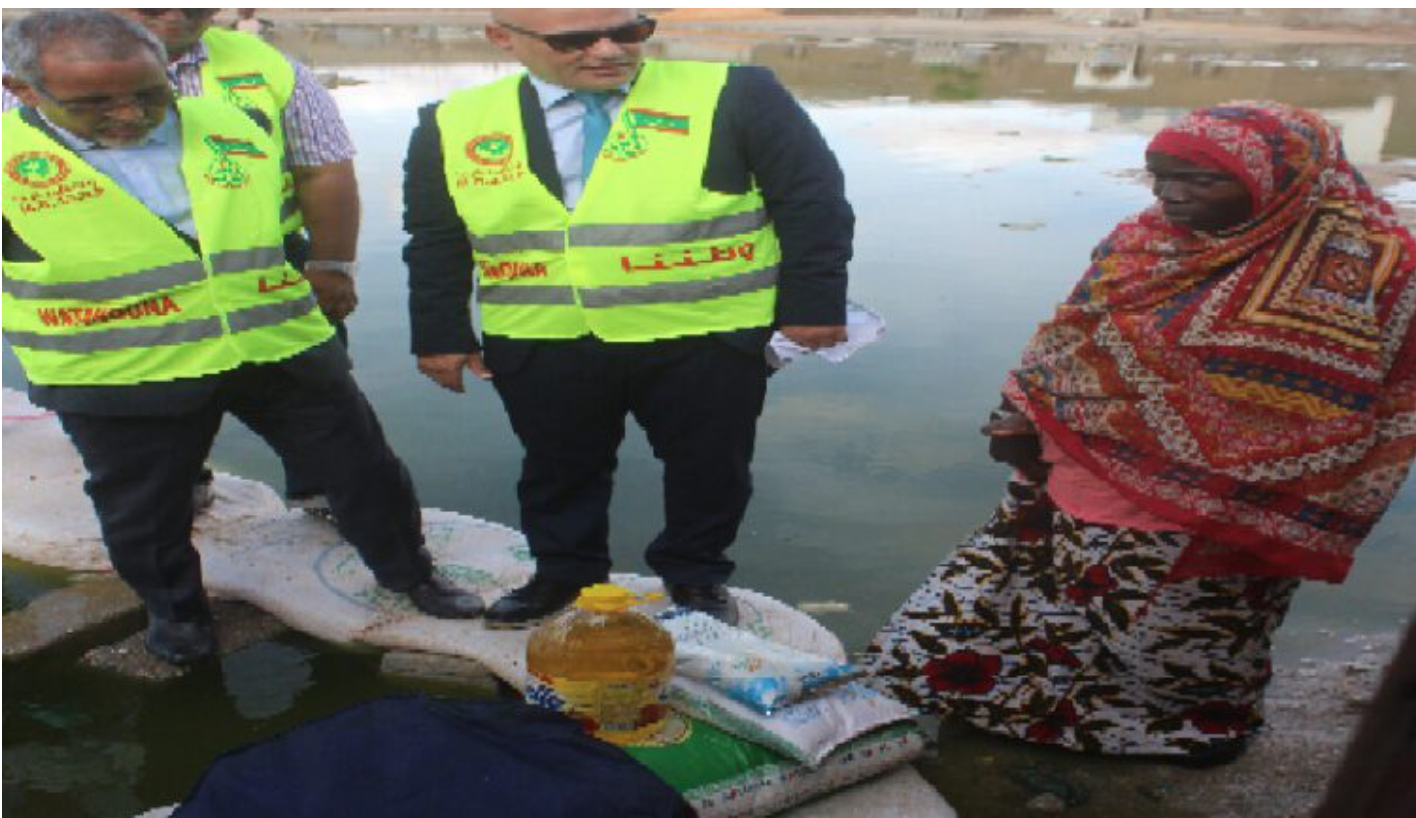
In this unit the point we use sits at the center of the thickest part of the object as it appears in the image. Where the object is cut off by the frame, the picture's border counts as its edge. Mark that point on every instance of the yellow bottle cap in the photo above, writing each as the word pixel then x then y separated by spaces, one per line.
pixel 607 598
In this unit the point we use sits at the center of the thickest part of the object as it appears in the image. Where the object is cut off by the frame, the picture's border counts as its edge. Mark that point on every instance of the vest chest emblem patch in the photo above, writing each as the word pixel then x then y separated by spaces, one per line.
pixel 47 177
pixel 629 140
pixel 235 86
pixel 224 171
pixel 645 119
pixel 490 149
pixel 494 161
pixel 37 169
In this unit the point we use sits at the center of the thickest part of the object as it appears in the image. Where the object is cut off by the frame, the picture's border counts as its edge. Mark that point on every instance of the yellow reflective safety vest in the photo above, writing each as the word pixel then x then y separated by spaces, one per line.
pixel 647 254
pixel 117 296
pixel 246 71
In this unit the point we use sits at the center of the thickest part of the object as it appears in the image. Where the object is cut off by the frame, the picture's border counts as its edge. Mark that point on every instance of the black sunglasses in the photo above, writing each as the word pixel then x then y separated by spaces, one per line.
pixel 568 41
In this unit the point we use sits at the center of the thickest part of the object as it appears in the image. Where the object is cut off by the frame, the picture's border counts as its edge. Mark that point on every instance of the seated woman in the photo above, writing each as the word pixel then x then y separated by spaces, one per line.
pixel 1224 406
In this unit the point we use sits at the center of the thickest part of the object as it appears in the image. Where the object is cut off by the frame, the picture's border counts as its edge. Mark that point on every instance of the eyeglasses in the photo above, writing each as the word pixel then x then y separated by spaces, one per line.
pixel 569 41
pixel 190 14
pixel 90 106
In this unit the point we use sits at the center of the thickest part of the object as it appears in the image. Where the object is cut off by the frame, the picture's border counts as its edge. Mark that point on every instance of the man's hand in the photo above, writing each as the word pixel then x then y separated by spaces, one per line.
pixel 334 291
pixel 446 370
pixel 815 337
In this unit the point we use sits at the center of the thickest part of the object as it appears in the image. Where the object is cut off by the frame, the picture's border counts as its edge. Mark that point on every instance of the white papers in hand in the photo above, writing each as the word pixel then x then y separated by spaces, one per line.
pixel 863 327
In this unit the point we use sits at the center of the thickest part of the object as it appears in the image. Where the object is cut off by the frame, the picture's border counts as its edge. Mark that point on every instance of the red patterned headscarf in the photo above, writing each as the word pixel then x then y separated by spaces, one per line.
pixel 1256 386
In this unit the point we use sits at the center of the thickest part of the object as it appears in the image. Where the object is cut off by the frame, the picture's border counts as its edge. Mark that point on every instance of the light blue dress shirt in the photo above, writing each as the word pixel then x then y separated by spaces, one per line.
pixel 563 121
pixel 150 171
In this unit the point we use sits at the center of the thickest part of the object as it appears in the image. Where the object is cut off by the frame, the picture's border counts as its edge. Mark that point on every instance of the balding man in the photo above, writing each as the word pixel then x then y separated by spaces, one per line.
pixel 639 228
pixel 175 307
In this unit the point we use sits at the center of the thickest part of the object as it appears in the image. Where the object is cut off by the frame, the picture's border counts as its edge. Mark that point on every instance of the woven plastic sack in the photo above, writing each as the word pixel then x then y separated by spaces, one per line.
pixel 763 675
pixel 722 776
pixel 805 732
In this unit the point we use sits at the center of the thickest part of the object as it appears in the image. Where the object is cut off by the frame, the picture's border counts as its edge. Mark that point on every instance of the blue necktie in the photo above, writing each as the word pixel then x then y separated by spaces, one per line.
pixel 596 125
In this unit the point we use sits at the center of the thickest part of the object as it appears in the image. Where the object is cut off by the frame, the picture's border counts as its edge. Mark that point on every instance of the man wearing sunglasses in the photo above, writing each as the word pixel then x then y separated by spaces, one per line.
pixel 639 229
pixel 147 294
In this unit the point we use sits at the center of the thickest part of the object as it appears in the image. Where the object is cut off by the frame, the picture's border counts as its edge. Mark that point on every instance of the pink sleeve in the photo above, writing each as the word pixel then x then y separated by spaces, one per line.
pixel 1089 498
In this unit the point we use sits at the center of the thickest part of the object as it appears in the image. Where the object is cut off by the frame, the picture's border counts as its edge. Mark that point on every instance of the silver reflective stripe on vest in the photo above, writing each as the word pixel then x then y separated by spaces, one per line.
pixel 653 235
pixel 107 289
pixel 157 279
pixel 120 338
pixel 525 294
pixel 552 241
pixel 679 292
pixel 268 314
pixel 240 261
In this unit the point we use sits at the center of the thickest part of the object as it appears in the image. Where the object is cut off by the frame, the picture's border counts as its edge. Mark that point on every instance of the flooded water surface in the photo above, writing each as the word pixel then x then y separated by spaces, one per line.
pixel 981 175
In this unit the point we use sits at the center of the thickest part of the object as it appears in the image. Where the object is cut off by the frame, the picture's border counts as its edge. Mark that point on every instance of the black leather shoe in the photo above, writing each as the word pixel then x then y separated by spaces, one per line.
pixel 439 598
pixel 713 600
pixel 179 643
pixel 531 603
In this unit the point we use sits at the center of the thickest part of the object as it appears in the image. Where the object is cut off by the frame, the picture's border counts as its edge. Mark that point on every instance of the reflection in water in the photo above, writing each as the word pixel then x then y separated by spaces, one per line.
pixel 1107 68
pixel 94 775
pixel 981 174
pixel 264 679
pixel 976 137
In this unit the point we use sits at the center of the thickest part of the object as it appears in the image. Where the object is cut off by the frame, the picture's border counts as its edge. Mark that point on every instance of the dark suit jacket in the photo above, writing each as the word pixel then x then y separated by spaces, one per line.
pixel 759 132
pixel 326 362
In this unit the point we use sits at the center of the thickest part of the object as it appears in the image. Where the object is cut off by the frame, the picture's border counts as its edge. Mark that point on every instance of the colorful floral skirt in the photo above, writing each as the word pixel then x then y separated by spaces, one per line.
pixel 1047 628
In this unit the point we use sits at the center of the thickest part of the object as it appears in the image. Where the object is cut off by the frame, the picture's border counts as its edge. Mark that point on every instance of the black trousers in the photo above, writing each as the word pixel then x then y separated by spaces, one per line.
pixel 302 483
pixel 698 401
pixel 141 471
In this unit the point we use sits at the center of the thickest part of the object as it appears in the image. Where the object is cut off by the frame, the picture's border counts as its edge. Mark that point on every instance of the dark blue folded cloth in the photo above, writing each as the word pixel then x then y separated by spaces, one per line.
pixel 407 756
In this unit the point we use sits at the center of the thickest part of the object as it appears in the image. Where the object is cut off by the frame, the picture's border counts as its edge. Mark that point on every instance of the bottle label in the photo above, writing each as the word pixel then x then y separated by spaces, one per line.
pixel 621 712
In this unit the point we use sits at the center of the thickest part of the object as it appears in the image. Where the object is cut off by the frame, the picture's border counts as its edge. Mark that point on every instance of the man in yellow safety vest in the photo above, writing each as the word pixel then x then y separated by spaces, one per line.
pixel 649 287
pixel 320 210
pixel 147 293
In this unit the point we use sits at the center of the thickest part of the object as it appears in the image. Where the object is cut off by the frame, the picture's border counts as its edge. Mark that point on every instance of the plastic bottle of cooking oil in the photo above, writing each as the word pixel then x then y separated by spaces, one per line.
pixel 603 665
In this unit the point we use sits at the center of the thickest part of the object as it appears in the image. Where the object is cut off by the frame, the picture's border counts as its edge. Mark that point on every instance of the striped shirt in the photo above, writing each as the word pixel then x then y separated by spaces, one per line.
pixel 314 132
